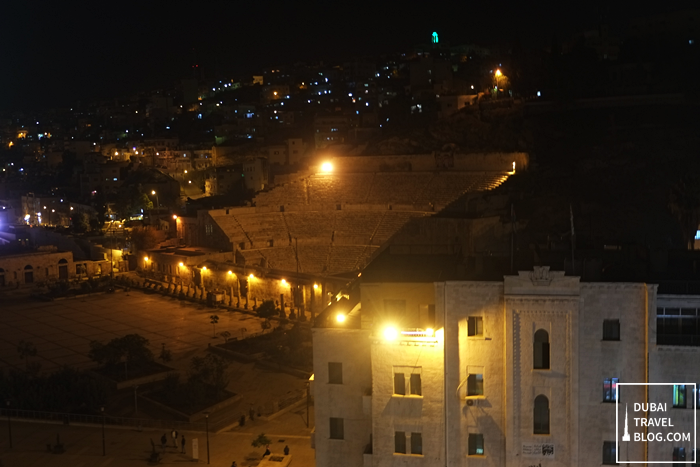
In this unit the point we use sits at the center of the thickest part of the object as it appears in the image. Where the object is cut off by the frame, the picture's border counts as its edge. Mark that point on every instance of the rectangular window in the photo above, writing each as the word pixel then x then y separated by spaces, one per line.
pixel 611 330
pixel 399 384
pixel 407 381
pixel 476 444
pixel 337 431
pixel 415 385
pixel 400 442
pixel 679 456
pixel 678 326
pixel 475 385
pixel 679 396
pixel 475 326
pixel 335 373
pixel 609 389
pixel 609 452
pixel 416 443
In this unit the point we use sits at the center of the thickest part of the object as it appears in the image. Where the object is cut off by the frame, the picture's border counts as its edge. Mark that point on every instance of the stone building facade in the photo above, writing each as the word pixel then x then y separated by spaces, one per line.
pixel 519 372
pixel 29 269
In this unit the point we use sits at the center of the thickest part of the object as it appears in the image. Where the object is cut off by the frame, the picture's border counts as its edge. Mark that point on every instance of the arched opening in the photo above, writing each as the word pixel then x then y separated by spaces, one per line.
pixel 541 415
pixel 541 350
pixel 28 274
pixel 63 269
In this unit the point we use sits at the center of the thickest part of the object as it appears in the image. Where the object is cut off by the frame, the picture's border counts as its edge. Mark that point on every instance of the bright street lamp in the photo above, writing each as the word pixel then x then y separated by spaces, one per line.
pixel 153 192
pixel 498 75
pixel 390 333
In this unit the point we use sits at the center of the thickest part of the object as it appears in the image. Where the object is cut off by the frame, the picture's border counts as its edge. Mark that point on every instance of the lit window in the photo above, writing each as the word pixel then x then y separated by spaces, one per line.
pixel 335 373
pixel 679 396
pixel 611 330
pixel 475 385
pixel 610 389
pixel 609 452
pixel 475 326
pixel 678 456
pixel 476 444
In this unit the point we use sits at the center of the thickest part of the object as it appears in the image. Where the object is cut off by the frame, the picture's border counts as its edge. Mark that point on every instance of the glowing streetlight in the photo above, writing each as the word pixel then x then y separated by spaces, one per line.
pixel 430 332
pixel 175 216
pixel 251 276
pixel 315 286
pixel 498 75
pixel 153 192
pixel 284 282
pixel 390 333
pixel 181 264
pixel 204 268
pixel 340 317
pixel 230 273
pixel 327 167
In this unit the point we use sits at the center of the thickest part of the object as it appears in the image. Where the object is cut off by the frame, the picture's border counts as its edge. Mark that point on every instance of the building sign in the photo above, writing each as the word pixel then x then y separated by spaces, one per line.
pixel 541 450
pixel 660 425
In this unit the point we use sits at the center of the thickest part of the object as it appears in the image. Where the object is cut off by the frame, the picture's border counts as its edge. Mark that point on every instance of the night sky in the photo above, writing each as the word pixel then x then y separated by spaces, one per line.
pixel 55 53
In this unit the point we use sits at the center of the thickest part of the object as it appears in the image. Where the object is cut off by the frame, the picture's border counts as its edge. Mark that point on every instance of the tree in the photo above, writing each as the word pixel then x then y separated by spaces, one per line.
pixel 144 239
pixel 26 349
pixel 210 370
pixel 267 309
pixel 130 348
pixel 684 203
pixel 261 441
pixel 165 354
pixel 81 222
pixel 130 202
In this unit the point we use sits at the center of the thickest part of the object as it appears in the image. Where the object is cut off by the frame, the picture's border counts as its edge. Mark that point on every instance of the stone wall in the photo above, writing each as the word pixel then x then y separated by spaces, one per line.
pixel 351 348
pixel 44 267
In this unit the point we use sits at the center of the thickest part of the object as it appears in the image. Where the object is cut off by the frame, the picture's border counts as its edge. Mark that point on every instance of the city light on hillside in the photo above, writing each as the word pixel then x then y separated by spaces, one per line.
pixel 390 333
pixel 326 167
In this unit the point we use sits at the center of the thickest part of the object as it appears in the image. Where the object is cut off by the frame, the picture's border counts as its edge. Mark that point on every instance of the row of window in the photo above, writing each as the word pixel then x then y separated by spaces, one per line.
pixel 412 442
pixel 407 381
pixel 679 454
pixel 682 394
pixel 611 328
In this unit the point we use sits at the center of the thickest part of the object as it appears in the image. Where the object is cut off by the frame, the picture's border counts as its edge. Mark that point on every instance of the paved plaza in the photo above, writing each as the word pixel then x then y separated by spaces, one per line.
pixel 130 447
pixel 62 330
